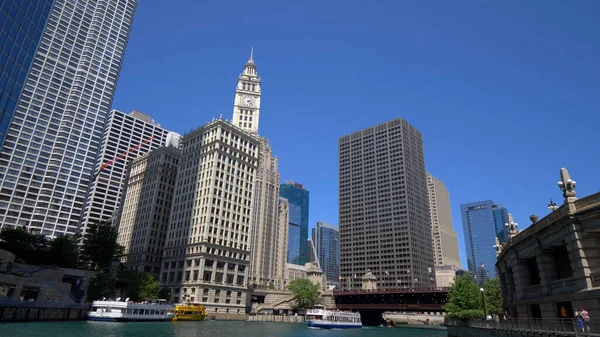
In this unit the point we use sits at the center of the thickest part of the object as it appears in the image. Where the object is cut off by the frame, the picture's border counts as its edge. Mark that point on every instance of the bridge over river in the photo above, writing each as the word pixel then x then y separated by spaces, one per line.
pixel 372 304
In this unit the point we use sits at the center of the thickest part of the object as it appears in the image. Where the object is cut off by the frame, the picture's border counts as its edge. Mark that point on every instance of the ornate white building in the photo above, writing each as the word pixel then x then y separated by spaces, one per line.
pixel 246 105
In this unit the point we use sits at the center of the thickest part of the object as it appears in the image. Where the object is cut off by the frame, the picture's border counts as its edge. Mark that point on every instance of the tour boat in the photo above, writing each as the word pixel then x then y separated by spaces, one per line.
pixel 320 317
pixel 126 311
pixel 189 312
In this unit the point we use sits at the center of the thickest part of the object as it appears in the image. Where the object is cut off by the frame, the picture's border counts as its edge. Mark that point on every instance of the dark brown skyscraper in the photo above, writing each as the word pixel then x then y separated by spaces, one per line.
pixel 384 207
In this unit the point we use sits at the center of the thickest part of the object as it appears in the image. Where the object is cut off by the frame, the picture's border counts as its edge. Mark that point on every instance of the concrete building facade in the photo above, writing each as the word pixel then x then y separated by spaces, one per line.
pixel 126 137
pixel 147 202
pixel 384 208
pixel 207 249
pixel 266 226
pixel 281 251
pixel 48 155
pixel 553 267
pixel 443 235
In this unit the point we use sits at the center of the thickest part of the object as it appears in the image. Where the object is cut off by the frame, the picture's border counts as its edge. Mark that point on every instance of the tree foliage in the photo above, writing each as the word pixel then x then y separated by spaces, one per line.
pixel 100 246
pixel 28 247
pixel 100 286
pixel 305 292
pixel 493 296
pixel 164 293
pixel 35 249
pixel 62 252
pixel 137 285
pixel 464 299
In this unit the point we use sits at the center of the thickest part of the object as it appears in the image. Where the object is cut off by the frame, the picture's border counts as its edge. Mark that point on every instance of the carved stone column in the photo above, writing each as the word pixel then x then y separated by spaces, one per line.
pixel 579 263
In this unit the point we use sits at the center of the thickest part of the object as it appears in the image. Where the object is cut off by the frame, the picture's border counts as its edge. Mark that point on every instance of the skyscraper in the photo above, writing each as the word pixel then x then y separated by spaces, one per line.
pixel 384 208
pixel 325 237
pixel 146 208
pixel 265 222
pixel 500 219
pixel 297 197
pixel 281 251
pixel 126 137
pixel 207 248
pixel 481 226
pixel 50 148
pixel 20 32
pixel 444 238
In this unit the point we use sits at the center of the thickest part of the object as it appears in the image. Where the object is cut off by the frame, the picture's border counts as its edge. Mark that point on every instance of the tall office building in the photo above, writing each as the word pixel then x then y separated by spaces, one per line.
pixel 443 236
pixel 281 251
pixel 20 32
pixel 50 148
pixel 265 223
pixel 482 223
pixel 207 249
pixel 384 207
pixel 500 219
pixel 297 197
pixel 325 238
pixel 146 208
pixel 126 137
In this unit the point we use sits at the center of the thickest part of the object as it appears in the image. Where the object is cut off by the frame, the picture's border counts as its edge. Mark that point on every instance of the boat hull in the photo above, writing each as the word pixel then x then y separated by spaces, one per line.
pixel 124 319
pixel 333 325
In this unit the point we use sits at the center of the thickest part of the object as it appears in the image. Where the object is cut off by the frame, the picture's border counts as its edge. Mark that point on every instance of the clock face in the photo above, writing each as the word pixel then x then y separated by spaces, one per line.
pixel 247 100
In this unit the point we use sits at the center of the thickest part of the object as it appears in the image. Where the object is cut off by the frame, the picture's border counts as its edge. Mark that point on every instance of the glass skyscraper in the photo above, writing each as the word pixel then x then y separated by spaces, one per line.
pixel 21 28
pixel 297 197
pixel 49 152
pixel 483 221
pixel 325 237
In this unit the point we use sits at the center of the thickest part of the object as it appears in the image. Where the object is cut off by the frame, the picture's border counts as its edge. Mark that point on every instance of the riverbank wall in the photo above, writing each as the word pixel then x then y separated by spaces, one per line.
pixel 32 314
pixel 275 318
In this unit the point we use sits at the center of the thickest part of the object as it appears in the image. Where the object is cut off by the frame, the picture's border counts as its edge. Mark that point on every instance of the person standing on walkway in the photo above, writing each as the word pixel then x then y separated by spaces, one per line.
pixel 579 323
pixel 586 320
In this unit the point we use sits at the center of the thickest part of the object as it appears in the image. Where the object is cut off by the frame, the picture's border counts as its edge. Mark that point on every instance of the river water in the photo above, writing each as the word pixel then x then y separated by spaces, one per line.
pixel 196 329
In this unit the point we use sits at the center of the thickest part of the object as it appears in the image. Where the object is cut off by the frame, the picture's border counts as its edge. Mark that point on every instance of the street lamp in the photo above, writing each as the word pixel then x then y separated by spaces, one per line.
pixel 483 301
pixel 552 206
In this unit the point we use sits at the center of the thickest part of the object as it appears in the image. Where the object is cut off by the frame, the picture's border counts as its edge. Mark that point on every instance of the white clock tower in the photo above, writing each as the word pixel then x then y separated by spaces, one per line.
pixel 246 104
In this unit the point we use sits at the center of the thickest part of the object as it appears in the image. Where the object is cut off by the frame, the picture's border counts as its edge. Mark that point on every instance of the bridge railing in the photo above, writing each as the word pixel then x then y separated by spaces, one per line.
pixel 567 326
pixel 396 290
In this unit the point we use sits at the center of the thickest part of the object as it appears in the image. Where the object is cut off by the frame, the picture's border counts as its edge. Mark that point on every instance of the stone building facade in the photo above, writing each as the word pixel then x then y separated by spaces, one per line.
pixel 207 247
pixel 553 267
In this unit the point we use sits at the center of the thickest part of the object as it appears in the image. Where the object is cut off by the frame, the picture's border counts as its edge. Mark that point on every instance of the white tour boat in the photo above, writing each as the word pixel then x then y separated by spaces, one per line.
pixel 320 317
pixel 125 311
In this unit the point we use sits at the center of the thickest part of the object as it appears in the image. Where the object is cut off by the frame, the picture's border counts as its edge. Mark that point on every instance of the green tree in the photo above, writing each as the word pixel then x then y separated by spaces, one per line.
pixel 28 247
pixel 271 285
pixel 165 293
pixel 100 246
pixel 150 287
pixel 138 285
pixel 100 286
pixel 305 292
pixel 62 252
pixel 464 299
pixel 493 296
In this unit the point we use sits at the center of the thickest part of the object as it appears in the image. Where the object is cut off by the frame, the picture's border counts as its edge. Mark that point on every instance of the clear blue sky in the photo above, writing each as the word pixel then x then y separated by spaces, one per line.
pixel 505 93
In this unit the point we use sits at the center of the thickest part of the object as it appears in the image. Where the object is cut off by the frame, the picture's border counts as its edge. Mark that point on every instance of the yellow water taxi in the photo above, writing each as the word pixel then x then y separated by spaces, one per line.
pixel 189 312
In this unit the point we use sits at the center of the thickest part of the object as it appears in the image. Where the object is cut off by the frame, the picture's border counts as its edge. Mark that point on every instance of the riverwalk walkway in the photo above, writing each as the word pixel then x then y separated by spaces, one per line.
pixel 521 327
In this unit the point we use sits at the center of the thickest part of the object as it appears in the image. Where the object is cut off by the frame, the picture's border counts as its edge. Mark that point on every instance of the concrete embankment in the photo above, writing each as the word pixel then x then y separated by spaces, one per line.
pixel 30 314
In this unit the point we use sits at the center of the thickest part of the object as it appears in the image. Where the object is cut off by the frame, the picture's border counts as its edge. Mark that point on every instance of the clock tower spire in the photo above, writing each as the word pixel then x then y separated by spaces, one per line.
pixel 246 103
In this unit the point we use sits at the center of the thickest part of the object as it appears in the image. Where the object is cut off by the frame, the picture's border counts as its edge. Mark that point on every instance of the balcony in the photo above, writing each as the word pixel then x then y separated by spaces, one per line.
pixel 565 285
pixel 534 291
